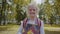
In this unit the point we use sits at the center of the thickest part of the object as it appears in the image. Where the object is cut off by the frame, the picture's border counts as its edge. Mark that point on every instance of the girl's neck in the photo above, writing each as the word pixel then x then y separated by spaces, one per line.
pixel 32 18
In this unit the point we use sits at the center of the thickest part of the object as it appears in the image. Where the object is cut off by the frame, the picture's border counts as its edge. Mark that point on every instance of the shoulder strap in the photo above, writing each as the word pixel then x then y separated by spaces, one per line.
pixel 39 22
pixel 24 22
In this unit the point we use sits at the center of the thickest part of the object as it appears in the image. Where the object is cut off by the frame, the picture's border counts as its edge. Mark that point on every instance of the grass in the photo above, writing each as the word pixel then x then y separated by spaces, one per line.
pixel 53 25
pixel 5 27
pixel 52 32
pixel 12 29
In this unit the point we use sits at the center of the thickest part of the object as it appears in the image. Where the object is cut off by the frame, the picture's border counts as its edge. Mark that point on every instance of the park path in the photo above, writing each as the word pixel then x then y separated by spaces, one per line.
pixel 13 30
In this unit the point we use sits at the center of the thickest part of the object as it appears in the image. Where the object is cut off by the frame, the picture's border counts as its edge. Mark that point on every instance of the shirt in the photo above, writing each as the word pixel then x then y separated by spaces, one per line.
pixel 31 22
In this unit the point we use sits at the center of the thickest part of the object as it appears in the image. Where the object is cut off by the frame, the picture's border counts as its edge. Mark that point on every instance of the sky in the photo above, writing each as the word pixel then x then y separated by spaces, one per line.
pixel 42 1
pixel 39 1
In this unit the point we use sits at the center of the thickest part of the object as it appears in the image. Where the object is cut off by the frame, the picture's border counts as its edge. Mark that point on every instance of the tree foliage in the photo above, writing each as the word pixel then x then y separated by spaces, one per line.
pixel 20 12
pixel 50 10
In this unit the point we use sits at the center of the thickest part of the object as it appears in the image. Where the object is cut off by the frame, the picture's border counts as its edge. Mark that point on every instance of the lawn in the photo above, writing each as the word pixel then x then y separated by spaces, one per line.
pixel 53 25
pixel 13 28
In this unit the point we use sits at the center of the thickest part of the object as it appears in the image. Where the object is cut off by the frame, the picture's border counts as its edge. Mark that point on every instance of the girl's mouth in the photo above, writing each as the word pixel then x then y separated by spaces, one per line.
pixel 32 13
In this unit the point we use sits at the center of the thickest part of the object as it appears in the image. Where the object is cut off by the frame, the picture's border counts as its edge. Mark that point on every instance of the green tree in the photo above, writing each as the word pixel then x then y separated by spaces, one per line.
pixel 20 12
pixel 48 10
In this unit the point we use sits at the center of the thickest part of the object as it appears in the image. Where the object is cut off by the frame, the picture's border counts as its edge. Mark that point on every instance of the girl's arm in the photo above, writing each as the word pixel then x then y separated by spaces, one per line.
pixel 20 29
pixel 42 28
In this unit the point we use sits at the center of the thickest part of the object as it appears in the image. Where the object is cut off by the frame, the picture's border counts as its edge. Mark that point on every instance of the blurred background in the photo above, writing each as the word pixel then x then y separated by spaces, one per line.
pixel 12 12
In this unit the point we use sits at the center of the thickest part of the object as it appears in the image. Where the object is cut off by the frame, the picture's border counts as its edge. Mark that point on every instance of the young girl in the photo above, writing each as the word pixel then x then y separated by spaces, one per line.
pixel 31 24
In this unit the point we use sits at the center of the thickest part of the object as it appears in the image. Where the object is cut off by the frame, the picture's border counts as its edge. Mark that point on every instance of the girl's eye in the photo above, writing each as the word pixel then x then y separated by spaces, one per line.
pixel 31 9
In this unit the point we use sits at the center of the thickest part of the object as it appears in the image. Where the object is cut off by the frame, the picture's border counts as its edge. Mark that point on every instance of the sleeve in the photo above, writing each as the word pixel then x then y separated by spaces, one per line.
pixel 20 29
pixel 42 28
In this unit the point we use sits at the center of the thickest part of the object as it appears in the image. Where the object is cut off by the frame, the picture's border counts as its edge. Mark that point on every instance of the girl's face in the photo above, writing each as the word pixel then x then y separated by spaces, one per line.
pixel 32 11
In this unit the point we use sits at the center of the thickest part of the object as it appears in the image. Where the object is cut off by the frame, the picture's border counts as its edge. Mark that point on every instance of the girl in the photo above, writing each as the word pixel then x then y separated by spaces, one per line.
pixel 32 24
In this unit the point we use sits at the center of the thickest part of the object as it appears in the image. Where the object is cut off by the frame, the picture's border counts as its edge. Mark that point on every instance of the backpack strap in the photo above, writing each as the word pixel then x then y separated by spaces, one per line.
pixel 39 22
pixel 24 22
